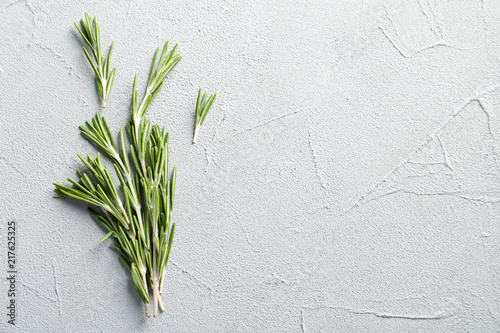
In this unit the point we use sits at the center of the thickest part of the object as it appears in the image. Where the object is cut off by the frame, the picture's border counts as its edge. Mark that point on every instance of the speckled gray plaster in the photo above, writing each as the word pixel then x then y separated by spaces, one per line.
pixel 346 180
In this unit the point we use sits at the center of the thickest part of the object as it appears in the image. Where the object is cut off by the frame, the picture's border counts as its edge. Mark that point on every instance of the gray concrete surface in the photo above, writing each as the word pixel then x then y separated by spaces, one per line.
pixel 346 180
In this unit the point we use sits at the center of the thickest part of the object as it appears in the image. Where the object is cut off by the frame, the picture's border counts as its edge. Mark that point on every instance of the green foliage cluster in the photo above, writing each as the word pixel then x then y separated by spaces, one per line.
pixel 137 212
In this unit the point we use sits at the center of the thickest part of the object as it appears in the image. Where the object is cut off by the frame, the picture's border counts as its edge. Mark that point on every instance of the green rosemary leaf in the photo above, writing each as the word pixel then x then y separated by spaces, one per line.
pixel 90 29
pixel 153 65
pixel 96 71
pixel 106 237
pixel 125 262
pixel 139 283
pixel 203 105
pixel 84 35
pixel 169 246
pixel 98 41
pixel 207 106
pixel 172 187
pixel 110 84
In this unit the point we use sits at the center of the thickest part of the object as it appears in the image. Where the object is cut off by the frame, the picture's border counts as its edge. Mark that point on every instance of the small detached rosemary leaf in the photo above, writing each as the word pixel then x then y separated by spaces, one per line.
pixel 104 75
pixel 203 105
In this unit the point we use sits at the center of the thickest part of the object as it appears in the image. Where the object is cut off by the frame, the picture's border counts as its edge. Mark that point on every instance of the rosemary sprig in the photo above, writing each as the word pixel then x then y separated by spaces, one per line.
pixel 141 223
pixel 104 76
pixel 203 105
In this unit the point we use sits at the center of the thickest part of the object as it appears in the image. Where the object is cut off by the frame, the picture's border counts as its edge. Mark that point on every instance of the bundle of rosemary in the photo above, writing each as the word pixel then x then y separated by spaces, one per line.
pixel 138 212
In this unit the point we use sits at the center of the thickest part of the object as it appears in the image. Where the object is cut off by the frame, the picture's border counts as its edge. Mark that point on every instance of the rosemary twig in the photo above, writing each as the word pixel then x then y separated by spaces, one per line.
pixel 104 75
pixel 203 105
pixel 141 222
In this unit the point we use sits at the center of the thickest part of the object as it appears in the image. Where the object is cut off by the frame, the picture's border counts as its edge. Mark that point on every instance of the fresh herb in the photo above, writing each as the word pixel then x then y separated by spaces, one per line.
pixel 138 213
pixel 203 105
pixel 104 77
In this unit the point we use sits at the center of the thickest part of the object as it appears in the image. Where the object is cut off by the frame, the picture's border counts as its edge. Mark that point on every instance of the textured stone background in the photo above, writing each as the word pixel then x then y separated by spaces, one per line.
pixel 346 180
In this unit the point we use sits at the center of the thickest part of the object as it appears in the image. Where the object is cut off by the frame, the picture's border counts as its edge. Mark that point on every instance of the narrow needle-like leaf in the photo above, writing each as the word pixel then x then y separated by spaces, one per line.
pixel 203 105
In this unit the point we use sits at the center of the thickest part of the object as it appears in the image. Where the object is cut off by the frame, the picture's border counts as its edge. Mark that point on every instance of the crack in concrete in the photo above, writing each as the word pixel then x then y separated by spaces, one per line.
pixel 432 18
pixel 12 4
pixel 416 51
pixel 53 52
pixel 220 121
pixel 315 163
pixel 403 48
pixel 488 117
pixel 234 210
pixel 364 198
pixel 435 316
pixel 392 41
pixel 265 123
pixel 207 161
pixel 16 2
pixel 37 291
pixel 445 156
pixel 438 315
pixel 302 326
pixel 197 281
pixel 56 290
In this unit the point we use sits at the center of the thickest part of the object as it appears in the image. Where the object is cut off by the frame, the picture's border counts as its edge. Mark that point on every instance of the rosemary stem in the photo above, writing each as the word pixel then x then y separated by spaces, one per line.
pixel 155 279
pixel 143 101
pixel 143 275
pixel 103 95
pixel 139 218
pixel 124 213
pixel 196 131
pixel 132 190
pixel 136 128
pixel 110 219
pixel 161 283
pixel 160 303
pixel 143 166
